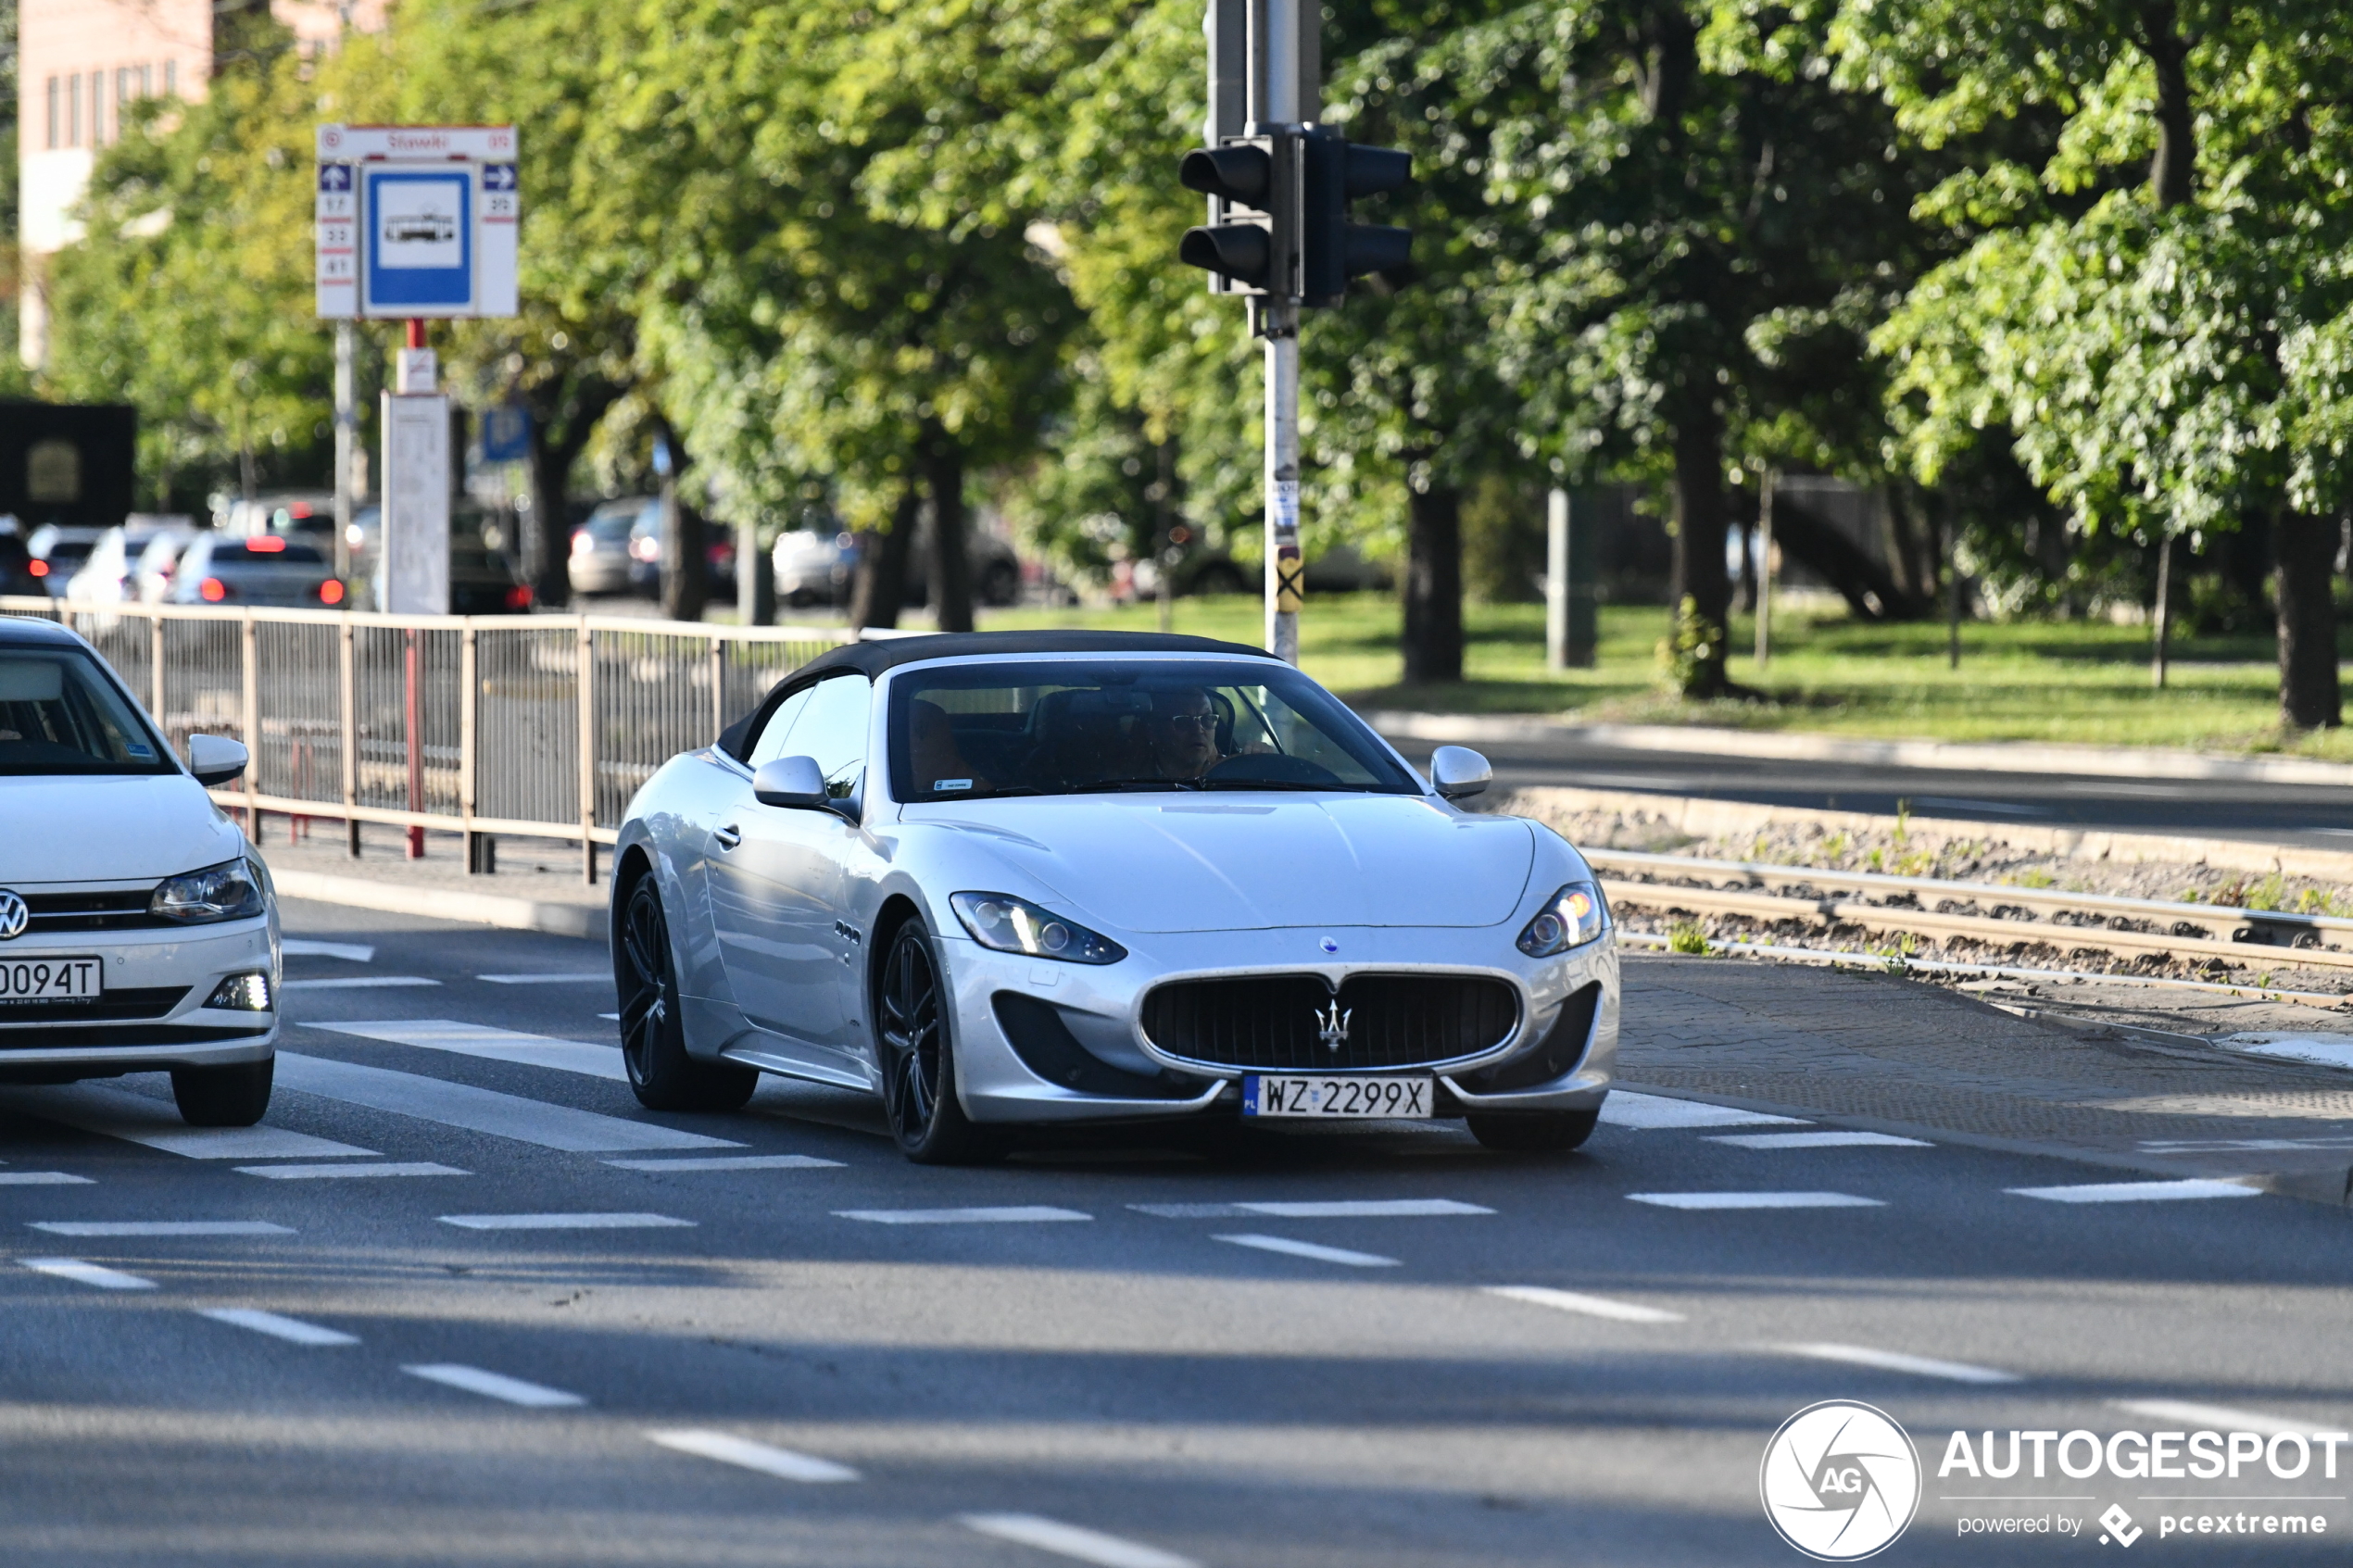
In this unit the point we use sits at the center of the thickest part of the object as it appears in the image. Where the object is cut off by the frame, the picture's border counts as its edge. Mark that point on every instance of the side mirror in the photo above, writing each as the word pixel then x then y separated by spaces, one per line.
pixel 1459 772
pixel 215 760
pixel 793 783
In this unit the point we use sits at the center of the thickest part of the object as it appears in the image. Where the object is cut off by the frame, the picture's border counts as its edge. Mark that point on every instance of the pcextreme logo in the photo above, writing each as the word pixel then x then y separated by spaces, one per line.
pixel 1840 1481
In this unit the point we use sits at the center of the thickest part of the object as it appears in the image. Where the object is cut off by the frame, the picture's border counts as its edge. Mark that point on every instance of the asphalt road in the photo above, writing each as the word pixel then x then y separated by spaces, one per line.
pixel 757 1360
pixel 2316 816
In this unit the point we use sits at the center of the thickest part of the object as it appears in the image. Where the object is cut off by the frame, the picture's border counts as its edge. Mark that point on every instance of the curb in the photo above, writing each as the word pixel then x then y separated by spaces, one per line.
pixel 1700 817
pixel 1992 756
pixel 588 922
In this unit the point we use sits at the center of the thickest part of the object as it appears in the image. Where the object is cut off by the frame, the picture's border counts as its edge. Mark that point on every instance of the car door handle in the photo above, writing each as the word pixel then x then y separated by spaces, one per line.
pixel 728 836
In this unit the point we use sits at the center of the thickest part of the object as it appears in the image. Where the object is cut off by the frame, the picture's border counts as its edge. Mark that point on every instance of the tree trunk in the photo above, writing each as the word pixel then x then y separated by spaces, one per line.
pixel 879 590
pixel 546 539
pixel 686 564
pixel 1433 640
pixel 1703 592
pixel 2305 547
pixel 951 561
pixel 2172 170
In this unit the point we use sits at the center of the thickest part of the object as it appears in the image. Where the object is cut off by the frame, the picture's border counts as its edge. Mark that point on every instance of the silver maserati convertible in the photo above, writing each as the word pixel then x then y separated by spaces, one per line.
pixel 1074 876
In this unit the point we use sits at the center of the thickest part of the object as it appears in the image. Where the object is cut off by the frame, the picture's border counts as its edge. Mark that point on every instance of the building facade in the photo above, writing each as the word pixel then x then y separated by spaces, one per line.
pixel 81 65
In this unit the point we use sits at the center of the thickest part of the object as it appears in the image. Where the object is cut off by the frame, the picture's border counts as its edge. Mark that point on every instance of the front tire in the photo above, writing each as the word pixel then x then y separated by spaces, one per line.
pixel 1533 1132
pixel 223 1097
pixel 915 1050
pixel 653 1028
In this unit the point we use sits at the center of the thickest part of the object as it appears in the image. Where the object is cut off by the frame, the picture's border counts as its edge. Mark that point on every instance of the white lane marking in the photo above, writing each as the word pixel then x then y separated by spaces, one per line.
pixel 314 1173
pixel 1016 1215
pixel 493 1045
pixel 2332 1050
pixel 732 1162
pixel 1755 1201
pixel 160 1227
pixel 495 1386
pixel 1074 1541
pixel 1371 1209
pixel 1578 1301
pixel 304 947
pixel 1650 1111
pixel 81 1272
pixel 1896 1361
pixel 358 982
pixel 1290 1248
pixel 41 1179
pixel 581 977
pixel 2137 1192
pixel 1817 1140
pixel 613 1016
pixel 782 1463
pixel 481 1110
pixel 119 1113
pixel 2219 1418
pixel 564 1221
pixel 292 1330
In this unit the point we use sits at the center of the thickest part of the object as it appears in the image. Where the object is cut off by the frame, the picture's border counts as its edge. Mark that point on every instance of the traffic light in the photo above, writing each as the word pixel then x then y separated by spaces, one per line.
pixel 1250 245
pixel 1334 250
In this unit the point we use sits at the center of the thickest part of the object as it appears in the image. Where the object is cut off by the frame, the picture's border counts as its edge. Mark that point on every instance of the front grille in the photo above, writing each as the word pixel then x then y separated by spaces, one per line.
pixel 151 1001
pixel 1277 1022
pixel 92 911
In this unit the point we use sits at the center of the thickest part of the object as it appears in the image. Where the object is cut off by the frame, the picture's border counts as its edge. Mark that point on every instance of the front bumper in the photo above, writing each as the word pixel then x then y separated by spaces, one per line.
pixel 187 1034
pixel 1101 1005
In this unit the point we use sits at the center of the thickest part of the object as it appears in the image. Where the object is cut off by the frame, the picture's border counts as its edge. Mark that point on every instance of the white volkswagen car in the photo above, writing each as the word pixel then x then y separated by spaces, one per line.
pixel 1057 877
pixel 138 931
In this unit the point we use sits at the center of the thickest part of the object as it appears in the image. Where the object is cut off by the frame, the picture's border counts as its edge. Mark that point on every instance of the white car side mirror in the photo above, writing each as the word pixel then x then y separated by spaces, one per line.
pixel 1459 772
pixel 215 760
pixel 795 783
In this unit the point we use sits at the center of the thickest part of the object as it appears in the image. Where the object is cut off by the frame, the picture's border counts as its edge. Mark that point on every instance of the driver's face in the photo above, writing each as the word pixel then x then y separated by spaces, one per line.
pixel 1185 734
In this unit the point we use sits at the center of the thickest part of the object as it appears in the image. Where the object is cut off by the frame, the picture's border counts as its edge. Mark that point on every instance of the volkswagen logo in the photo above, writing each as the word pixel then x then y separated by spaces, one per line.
pixel 13 915
pixel 1841 1480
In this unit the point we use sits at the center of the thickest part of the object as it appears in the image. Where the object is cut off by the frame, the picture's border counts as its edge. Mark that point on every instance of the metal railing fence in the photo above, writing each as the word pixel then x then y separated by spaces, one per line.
pixel 525 725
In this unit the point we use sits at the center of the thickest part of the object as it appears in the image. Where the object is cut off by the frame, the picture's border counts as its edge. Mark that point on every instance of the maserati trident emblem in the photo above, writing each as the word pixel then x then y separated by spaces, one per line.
pixel 15 917
pixel 1332 1027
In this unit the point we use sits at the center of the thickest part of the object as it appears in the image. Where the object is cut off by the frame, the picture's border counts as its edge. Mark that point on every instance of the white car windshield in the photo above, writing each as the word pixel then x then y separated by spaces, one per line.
pixel 1071 728
pixel 58 714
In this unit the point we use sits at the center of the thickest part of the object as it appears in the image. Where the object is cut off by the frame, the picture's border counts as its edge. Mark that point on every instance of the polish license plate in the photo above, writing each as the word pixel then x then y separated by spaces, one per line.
pixel 1263 1094
pixel 49 979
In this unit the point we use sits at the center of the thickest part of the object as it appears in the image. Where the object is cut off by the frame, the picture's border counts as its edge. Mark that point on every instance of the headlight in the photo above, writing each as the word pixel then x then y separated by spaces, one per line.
pixel 228 891
pixel 1016 926
pixel 1576 916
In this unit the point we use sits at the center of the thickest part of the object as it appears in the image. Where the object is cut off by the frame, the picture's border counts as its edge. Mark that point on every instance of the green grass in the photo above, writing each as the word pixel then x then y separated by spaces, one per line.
pixel 2077 682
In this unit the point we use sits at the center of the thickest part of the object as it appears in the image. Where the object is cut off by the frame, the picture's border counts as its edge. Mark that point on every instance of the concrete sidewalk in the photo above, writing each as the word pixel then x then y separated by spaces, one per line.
pixel 538 885
pixel 1902 1057
pixel 1990 757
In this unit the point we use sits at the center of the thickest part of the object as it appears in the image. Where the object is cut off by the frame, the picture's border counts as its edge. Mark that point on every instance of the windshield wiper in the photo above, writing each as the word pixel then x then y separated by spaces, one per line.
pixel 1093 786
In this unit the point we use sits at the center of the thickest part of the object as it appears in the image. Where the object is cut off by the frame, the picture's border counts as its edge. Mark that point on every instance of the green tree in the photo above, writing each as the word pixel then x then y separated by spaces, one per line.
pixel 2148 303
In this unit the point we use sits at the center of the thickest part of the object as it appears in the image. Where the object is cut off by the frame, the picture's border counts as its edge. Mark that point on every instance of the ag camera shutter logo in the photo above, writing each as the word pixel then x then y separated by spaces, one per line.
pixel 1840 1481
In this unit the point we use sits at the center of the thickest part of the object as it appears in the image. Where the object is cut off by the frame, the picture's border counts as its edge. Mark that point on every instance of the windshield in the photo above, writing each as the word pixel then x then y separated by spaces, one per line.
pixel 1078 728
pixel 59 714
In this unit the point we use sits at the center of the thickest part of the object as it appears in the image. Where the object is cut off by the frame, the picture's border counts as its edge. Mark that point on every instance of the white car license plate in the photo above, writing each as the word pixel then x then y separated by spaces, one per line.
pixel 25 980
pixel 1263 1094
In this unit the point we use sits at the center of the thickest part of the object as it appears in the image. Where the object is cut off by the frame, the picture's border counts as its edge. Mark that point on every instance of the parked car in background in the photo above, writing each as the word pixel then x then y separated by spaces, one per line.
pixel 266 570
pixel 111 573
pixel 814 568
pixel 280 511
pixel 153 571
pixel 618 550
pixel 483 578
pixel 57 552
pixel 16 562
pixel 1200 569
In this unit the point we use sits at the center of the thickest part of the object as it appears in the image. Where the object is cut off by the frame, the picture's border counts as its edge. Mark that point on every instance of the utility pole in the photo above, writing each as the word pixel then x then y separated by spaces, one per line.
pixel 347 438
pixel 1764 568
pixel 1278 232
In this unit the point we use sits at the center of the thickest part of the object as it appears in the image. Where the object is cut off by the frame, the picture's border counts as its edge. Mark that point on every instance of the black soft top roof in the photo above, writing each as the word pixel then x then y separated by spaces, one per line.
pixel 871 658
pixel 22 629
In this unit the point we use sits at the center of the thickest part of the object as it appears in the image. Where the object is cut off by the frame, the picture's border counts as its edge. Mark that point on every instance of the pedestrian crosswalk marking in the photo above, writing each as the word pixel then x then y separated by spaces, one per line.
pixel 481 1110
pixel 478 1040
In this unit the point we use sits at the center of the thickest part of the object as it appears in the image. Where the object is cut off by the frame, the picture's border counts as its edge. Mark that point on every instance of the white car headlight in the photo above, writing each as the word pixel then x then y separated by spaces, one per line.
pixel 1016 926
pixel 1576 915
pixel 231 890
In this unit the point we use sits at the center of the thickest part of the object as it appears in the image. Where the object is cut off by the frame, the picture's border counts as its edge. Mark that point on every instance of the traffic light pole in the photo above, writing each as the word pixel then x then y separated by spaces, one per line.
pixel 1274 105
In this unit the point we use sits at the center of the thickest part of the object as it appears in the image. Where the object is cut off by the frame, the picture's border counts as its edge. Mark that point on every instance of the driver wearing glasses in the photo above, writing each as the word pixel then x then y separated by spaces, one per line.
pixel 1181 733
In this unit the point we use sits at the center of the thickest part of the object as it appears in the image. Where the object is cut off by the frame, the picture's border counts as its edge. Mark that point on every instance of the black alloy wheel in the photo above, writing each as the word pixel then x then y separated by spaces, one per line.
pixel 653 1029
pixel 917 1055
pixel 237 1095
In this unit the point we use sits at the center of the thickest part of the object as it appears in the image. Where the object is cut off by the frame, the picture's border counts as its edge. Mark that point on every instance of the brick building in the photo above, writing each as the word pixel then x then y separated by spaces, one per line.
pixel 80 65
